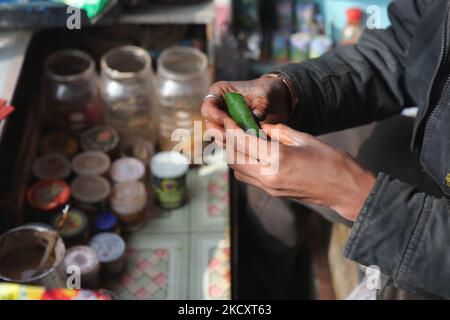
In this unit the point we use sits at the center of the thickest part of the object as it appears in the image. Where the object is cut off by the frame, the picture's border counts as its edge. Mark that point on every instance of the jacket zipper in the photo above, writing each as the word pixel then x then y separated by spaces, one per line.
pixel 441 72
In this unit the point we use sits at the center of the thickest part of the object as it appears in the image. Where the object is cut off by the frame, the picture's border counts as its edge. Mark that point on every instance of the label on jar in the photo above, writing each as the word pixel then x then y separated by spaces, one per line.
pixel 170 193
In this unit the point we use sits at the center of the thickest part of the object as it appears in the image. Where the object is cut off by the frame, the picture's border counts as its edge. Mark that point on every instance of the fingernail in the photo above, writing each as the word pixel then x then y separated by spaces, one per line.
pixel 258 113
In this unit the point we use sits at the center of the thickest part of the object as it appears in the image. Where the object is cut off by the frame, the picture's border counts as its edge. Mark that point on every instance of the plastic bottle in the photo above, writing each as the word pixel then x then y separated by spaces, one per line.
pixel 353 30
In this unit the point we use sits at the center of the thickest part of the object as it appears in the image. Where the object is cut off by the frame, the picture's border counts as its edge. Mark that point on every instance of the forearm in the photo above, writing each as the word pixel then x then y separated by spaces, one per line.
pixel 404 233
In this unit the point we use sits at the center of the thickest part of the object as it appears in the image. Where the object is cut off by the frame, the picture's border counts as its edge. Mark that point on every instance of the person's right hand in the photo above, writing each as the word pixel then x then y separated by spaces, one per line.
pixel 268 98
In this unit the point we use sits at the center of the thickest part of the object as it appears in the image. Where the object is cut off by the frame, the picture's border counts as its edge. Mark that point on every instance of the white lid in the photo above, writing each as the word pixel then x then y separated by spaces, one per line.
pixel 52 167
pixel 90 189
pixel 82 256
pixel 91 163
pixel 109 246
pixel 128 197
pixel 169 165
pixel 127 169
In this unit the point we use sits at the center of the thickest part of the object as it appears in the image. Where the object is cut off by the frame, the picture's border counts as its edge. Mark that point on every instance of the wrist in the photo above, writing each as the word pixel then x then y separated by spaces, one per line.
pixel 358 188
pixel 290 90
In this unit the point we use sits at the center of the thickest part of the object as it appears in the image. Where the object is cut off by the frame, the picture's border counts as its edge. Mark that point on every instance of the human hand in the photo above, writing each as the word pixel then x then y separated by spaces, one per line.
pixel 268 98
pixel 308 169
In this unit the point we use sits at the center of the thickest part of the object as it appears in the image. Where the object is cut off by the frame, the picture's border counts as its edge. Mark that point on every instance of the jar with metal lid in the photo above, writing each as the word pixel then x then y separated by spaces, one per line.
pixel 169 175
pixel 75 229
pixel 110 249
pixel 101 138
pixel 48 197
pixel 52 167
pixel 91 193
pixel 85 258
pixel 128 91
pixel 107 222
pixel 183 81
pixel 91 163
pixel 71 95
pixel 127 169
pixel 129 203
pixel 58 142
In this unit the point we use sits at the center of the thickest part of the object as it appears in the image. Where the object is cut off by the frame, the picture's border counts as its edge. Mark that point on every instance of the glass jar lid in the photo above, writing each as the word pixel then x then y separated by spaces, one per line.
pixel 101 138
pixel 127 169
pixel 169 165
pixel 84 257
pixel 91 163
pixel 48 195
pixel 90 189
pixel 52 167
pixel 59 142
pixel 108 246
pixel 128 197
pixel 75 225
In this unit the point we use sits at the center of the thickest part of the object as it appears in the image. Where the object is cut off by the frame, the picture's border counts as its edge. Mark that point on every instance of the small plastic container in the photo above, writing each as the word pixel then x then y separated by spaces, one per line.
pixel 48 196
pixel 59 142
pixel 129 202
pixel 85 258
pixel 91 193
pixel 110 249
pixel 52 167
pixel 91 163
pixel 75 230
pixel 127 169
pixel 169 170
pixel 101 138
pixel 107 222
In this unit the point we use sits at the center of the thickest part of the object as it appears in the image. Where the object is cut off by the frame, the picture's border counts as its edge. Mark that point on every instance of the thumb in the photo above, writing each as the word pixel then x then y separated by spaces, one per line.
pixel 284 134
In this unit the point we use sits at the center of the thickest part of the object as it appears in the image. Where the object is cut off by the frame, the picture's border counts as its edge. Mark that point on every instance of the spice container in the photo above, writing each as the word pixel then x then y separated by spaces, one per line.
pixel 58 142
pixel 104 139
pixel 91 163
pixel 70 91
pixel 85 258
pixel 90 193
pixel 169 170
pixel 107 222
pixel 110 249
pixel 128 92
pixel 127 169
pixel 75 229
pixel 129 201
pixel 183 82
pixel 48 196
pixel 52 167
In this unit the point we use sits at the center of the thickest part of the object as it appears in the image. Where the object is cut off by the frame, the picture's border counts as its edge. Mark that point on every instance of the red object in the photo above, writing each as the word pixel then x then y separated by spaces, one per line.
pixel 48 195
pixel 5 110
pixel 354 16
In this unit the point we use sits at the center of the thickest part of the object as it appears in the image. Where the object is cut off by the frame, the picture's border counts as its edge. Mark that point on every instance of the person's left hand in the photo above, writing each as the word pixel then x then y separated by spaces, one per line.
pixel 308 169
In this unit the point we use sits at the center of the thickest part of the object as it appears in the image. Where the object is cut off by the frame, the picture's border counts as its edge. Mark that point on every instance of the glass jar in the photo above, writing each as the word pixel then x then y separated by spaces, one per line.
pixel 70 91
pixel 127 90
pixel 183 81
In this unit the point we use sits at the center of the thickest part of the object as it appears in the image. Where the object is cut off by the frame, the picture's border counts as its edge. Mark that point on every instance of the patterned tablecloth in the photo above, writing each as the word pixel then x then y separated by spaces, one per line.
pixel 184 253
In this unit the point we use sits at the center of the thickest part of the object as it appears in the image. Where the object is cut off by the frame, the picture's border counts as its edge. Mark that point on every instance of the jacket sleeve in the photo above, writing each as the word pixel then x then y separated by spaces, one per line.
pixel 404 233
pixel 358 84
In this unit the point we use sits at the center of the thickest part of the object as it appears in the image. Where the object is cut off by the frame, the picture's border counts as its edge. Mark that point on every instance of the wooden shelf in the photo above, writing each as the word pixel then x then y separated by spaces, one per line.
pixel 202 13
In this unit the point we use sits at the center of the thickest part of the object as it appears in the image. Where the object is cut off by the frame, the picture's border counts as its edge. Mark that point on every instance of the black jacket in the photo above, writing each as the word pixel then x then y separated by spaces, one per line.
pixel 404 232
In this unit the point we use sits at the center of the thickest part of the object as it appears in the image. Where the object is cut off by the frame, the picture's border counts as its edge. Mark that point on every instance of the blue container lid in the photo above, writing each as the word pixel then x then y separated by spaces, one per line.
pixel 106 221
